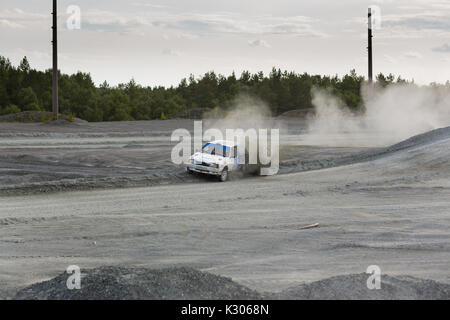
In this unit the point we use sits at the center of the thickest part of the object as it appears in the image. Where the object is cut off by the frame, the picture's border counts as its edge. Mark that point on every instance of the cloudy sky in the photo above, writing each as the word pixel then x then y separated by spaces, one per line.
pixel 159 42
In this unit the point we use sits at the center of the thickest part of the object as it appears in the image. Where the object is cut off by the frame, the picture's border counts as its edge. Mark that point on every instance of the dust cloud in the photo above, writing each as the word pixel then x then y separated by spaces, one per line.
pixel 392 114
pixel 246 112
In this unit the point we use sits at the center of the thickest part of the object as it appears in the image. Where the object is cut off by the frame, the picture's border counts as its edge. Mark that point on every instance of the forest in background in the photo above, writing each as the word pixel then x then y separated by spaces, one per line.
pixel 23 88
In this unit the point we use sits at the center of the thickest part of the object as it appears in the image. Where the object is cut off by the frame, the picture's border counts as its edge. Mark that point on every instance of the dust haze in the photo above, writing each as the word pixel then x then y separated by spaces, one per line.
pixel 246 112
pixel 392 114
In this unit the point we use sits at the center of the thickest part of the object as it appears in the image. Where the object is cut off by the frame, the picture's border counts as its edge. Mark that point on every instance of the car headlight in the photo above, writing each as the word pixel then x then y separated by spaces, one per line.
pixel 191 161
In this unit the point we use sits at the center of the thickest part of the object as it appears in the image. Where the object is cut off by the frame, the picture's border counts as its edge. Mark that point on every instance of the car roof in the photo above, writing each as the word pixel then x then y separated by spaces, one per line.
pixel 226 143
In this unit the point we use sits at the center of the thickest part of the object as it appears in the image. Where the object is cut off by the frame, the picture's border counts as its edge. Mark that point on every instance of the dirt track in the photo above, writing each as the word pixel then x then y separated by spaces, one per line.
pixel 390 210
pixel 36 158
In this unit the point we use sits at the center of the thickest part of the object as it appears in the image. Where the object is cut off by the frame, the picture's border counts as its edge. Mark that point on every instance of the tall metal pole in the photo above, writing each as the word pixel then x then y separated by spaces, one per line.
pixel 370 45
pixel 55 61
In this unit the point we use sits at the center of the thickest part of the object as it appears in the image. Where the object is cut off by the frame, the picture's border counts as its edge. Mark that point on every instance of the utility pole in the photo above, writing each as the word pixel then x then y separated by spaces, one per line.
pixel 55 61
pixel 370 45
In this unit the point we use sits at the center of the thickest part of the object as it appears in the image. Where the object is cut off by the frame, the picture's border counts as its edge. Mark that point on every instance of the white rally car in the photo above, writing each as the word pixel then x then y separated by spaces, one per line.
pixel 216 158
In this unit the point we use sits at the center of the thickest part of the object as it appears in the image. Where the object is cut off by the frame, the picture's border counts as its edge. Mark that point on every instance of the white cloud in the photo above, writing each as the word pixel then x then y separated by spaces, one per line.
pixel 195 24
pixel 188 36
pixel 18 15
pixel 412 55
pixel 201 23
pixel 419 24
pixel 444 48
pixel 389 59
pixel 10 24
pixel 171 52
pixel 107 21
pixel 422 23
pixel 258 43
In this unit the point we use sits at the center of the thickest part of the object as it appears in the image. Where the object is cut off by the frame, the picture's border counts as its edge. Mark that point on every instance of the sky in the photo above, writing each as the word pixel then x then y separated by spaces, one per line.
pixel 159 42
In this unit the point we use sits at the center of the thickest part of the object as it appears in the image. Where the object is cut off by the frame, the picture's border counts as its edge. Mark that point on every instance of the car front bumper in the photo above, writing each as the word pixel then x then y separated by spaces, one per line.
pixel 204 169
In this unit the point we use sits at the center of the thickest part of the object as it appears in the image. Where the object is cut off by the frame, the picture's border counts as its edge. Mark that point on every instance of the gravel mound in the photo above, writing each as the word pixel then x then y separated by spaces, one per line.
pixel 117 283
pixel 354 287
pixel 424 139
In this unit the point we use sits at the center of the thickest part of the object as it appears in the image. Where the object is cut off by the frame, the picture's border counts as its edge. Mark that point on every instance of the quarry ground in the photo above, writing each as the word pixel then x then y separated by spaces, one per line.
pixel 63 202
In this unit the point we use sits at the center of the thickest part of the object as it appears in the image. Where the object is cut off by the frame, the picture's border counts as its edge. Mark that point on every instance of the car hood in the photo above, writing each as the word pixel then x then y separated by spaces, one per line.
pixel 208 158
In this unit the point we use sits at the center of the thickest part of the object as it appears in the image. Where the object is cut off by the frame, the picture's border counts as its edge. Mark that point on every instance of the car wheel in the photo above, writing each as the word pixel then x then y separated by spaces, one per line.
pixel 224 175
pixel 189 171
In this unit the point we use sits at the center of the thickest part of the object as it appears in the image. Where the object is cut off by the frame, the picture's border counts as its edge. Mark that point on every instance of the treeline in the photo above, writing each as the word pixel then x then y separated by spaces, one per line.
pixel 23 88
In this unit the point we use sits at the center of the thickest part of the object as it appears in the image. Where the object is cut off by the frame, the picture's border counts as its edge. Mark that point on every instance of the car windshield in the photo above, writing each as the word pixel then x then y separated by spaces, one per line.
pixel 216 149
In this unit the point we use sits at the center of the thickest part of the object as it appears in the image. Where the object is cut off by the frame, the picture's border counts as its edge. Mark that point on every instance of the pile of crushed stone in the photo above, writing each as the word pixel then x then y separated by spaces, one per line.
pixel 427 138
pixel 118 283
pixel 353 286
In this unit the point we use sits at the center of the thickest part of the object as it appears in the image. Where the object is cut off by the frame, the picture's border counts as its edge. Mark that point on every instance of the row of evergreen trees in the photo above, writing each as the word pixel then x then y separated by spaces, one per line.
pixel 23 88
